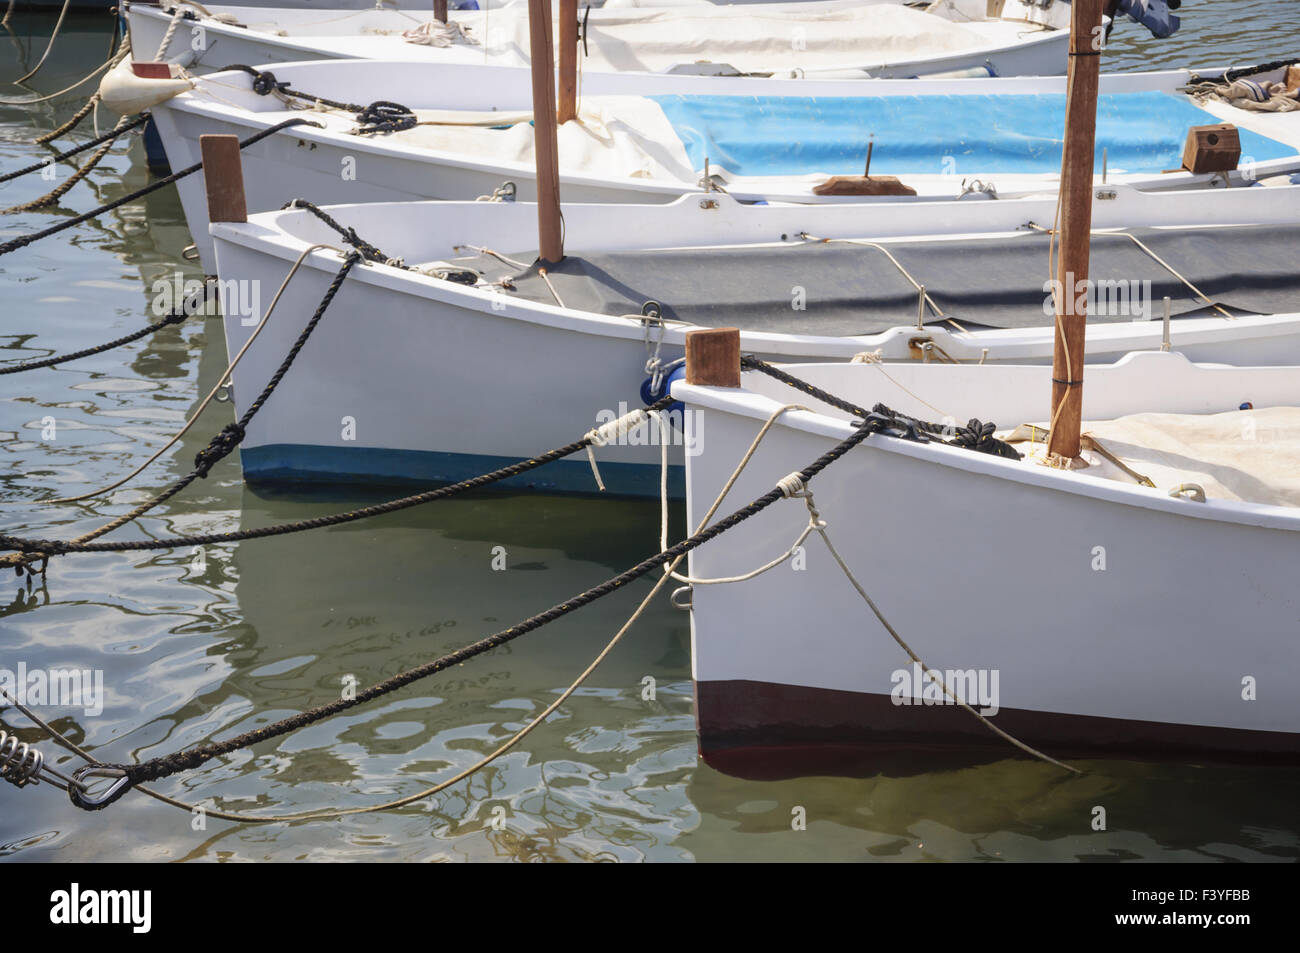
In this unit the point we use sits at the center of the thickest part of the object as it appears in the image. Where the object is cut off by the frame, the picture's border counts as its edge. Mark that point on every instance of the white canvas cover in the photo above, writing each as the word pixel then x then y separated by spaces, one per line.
pixel 748 38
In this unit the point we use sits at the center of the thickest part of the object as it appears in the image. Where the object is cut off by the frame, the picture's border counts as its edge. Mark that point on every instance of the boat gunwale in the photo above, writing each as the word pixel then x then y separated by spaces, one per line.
pixel 759 407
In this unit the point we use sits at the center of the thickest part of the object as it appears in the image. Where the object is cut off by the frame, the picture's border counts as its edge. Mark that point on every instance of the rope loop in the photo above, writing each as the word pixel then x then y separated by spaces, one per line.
pixel 383 116
pixel 80 797
pixel 264 83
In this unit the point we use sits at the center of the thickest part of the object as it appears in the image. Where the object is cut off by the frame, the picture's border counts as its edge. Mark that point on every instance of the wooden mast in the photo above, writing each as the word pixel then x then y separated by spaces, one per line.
pixel 1086 36
pixel 440 10
pixel 545 140
pixel 568 61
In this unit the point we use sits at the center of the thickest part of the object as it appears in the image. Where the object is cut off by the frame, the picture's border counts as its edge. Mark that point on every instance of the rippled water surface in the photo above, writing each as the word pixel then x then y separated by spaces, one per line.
pixel 193 650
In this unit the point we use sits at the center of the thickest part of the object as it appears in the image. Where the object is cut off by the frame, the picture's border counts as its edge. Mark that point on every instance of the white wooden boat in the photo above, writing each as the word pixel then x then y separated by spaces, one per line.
pixel 1110 619
pixel 879 38
pixel 504 374
pixel 638 141
pixel 1121 588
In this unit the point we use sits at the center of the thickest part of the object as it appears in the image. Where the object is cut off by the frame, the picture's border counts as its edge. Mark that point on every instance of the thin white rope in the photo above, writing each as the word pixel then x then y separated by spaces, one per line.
pixel 111 61
pixel 48 47
pixel 607 433
pixel 786 485
pixel 461 775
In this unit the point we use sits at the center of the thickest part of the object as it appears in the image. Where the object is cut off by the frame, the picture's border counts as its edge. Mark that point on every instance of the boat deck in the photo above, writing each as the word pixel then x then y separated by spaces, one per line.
pixel 845 288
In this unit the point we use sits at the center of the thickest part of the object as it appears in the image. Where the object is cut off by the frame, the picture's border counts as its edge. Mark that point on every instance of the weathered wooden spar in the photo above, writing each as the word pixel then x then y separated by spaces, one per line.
pixel 1077 165
pixel 546 143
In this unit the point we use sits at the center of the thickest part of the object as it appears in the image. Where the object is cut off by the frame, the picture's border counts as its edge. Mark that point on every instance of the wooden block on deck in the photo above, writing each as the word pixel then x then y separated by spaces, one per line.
pixel 713 357
pixel 863 185
pixel 1292 78
pixel 1212 148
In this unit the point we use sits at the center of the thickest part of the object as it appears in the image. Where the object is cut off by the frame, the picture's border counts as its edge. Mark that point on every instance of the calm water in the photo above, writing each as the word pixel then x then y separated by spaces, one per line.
pixel 192 652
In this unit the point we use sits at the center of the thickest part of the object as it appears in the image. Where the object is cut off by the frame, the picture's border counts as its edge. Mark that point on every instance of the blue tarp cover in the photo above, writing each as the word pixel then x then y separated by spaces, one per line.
pixel 790 135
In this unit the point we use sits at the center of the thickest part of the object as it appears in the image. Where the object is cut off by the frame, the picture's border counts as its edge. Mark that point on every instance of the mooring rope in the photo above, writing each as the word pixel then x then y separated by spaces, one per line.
pixel 203 404
pixel 58 25
pixel 348 233
pixel 23 241
pixel 793 486
pixel 243 817
pixel 976 435
pixel 219 447
pixel 1230 76
pixel 25 550
pixel 189 759
pixel 176 317
pixel 52 196
pixel 69 153
pixel 111 61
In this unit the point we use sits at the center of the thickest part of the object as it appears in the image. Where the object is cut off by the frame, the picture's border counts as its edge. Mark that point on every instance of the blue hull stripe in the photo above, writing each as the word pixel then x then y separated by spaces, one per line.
pixel 290 463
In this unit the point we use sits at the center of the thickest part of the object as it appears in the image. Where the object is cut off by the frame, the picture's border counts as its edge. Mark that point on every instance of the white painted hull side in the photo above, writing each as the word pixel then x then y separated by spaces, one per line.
pixel 399 352
pixel 987 564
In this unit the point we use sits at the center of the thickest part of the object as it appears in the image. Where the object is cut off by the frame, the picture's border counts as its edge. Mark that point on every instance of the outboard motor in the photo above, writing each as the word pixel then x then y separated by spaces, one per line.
pixel 1155 15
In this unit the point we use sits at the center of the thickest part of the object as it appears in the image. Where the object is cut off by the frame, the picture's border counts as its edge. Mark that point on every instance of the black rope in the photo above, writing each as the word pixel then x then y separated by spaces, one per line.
pixel 265 83
pixel 219 447
pixel 186 760
pixel 39 548
pixel 385 117
pixel 177 315
pixel 23 241
pixel 976 435
pixel 1235 74
pixel 348 234
pixel 59 157
pixel 379 116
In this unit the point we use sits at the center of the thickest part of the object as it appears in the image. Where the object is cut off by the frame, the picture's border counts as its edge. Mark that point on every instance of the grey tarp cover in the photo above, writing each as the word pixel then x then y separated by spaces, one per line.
pixel 854 289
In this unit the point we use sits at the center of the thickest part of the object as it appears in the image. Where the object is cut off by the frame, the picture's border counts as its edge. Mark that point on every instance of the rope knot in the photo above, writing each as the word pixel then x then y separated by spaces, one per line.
pixel 792 485
pixel 384 116
pixel 978 436
pixel 614 429
pixel 220 446
pixel 264 83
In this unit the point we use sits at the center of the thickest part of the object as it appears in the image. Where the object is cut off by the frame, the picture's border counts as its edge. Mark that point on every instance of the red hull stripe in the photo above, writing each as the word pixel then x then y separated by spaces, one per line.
pixel 764 730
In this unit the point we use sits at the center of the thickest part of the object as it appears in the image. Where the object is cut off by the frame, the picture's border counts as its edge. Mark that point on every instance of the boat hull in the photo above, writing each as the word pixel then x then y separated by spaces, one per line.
pixel 401 353
pixel 329 166
pixel 1110 621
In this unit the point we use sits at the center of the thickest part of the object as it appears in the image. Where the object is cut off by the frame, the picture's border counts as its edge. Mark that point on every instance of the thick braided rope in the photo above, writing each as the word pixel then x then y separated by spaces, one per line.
pixel 24 240
pixel 176 317
pixel 37 548
pixel 347 233
pixel 71 124
pixel 28 551
pixel 265 83
pixel 186 760
pixel 75 150
pixel 56 193
pixel 976 435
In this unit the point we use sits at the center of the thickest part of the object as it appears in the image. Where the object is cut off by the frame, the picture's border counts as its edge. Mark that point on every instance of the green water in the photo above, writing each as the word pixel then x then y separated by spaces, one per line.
pixel 191 652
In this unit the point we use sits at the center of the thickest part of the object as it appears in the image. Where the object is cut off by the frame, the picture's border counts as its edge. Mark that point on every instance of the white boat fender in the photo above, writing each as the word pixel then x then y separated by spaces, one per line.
pixel 129 88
